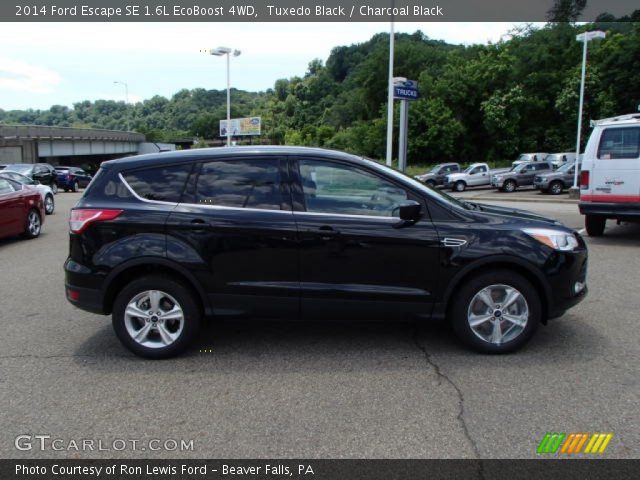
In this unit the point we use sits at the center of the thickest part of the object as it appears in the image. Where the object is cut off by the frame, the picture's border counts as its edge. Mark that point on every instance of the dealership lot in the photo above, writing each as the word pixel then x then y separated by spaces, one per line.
pixel 335 390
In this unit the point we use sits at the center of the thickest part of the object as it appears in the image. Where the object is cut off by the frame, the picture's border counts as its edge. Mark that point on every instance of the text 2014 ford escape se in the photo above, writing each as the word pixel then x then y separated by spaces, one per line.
pixel 163 241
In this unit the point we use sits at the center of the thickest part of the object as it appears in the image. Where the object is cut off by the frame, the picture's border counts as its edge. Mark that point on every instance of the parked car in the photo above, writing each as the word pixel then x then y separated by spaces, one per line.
pixel 559 159
pixel 42 172
pixel 45 191
pixel 162 241
pixel 438 173
pixel 21 210
pixel 519 176
pixel 475 175
pixel 529 157
pixel 610 176
pixel 72 178
pixel 556 181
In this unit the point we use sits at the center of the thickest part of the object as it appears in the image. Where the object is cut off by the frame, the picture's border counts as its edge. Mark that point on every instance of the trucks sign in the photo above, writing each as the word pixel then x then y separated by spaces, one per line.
pixel 405 89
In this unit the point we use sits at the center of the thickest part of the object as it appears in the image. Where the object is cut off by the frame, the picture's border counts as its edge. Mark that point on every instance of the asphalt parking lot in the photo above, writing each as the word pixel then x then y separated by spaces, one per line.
pixel 324 390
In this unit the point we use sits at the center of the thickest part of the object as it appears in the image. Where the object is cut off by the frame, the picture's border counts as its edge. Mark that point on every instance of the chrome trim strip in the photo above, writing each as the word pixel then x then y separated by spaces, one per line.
pixel 344 215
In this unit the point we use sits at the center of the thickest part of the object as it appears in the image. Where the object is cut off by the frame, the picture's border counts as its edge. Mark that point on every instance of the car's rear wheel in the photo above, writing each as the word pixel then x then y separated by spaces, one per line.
pixel 74 186
pixel 459 186
pixel 496 312
pixel 34 224
pixel 156 317
pixel 509 186
pixel 54 188
pixel 595 225
pixel 556 187
pixel 49 204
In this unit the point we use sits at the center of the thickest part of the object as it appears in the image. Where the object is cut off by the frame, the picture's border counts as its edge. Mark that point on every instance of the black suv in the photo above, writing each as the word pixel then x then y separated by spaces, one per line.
pixel 39 172
pixel 162 241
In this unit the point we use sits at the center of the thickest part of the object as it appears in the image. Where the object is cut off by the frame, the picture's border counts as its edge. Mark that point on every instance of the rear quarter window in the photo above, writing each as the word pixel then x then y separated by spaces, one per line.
pixel 619 143
pixel 161 183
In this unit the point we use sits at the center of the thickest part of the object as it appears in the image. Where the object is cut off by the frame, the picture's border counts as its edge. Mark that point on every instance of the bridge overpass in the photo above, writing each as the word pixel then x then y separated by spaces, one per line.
pixel 60 145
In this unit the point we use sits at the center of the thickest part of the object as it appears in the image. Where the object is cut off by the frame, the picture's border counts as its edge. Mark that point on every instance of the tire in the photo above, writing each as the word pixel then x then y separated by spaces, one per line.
pixel 163 338
pixel 459 186
pixel 526 307
pixel 33 225
pixel 49 204
pixel 509 186
pixel 556 187
pixel 431 183
pixel 66 190
pixel 74 186
pixel 54 188
pixel 595 225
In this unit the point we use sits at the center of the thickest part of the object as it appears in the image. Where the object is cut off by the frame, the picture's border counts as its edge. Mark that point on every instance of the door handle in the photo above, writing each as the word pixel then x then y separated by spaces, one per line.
pixel 196 224
pixel 326 232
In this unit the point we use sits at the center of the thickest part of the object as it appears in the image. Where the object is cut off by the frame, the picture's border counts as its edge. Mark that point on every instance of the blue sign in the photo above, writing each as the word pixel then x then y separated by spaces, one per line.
pixel 406 90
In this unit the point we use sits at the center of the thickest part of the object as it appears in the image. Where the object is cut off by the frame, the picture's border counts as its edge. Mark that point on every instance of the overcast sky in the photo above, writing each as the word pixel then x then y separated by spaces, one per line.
pixel 56 63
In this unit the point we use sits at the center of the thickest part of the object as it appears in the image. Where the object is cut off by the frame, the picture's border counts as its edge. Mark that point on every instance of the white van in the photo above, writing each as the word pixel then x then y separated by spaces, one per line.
pixel 562 158
pixel 610 176
pixel 529 157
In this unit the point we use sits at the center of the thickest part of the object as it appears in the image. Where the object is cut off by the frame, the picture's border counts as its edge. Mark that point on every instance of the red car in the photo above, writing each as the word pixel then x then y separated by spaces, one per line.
pixel 21 210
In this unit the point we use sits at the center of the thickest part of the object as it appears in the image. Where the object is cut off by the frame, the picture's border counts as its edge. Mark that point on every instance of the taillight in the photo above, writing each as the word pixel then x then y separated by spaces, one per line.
pixel 584 179
pixel 81 218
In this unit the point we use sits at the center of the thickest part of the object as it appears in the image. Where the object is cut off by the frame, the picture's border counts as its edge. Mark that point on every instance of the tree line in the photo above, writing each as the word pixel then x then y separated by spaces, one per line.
pixel 478 102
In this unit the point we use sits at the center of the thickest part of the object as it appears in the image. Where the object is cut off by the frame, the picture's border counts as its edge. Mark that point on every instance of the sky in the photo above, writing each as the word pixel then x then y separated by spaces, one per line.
pixel 44 64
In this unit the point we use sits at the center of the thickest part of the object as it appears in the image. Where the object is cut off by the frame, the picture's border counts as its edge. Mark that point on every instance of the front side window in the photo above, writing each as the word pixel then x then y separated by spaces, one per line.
pixel 162 183
pixel 618 143
pixel 245 183
pixel 345 190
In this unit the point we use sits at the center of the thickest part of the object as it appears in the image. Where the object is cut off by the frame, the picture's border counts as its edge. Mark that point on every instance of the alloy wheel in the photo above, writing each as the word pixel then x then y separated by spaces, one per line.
pixel 33 224
pixel 48 204
pixel 154 319
pixel 498 314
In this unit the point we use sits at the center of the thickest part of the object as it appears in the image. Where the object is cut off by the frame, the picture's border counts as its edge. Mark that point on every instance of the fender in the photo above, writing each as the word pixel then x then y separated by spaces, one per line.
pixel 162 262
pixel 439 310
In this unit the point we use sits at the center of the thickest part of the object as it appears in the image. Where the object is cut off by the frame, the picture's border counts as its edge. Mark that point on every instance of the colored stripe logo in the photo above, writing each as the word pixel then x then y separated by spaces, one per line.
pixel 573 443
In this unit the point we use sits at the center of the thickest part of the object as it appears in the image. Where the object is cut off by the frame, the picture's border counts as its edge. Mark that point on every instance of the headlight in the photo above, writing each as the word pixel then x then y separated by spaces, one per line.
pixel 556 239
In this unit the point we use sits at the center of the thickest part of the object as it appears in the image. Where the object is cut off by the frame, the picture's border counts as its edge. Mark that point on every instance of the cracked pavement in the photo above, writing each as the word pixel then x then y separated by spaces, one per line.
pixel 321 390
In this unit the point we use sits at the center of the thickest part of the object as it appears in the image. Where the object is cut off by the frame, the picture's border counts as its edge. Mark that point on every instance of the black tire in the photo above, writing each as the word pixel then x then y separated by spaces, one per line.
pixel 32 230
pixel 74 186
pixel 595 225
pixel 556 187
pixel 54 188
pixel 66 190
pixel 459 186
pixel 463 300
pixel 509 186
pixel 183 296
pixel 49 204
pixel 431 183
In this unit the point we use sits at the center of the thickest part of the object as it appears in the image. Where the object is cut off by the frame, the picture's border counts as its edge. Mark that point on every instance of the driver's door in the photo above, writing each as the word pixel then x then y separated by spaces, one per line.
pixel 353 257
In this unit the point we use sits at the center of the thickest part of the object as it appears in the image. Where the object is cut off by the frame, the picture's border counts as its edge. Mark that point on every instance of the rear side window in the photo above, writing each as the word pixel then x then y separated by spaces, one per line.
pixel 618 143
pixel 162 183
pixel 250 183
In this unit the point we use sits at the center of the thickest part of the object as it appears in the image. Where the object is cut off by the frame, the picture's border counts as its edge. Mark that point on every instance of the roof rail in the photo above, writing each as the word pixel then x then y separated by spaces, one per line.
pixel 629 116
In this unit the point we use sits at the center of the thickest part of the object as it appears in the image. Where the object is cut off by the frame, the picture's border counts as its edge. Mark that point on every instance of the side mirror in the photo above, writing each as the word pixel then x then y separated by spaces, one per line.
pixel 409 212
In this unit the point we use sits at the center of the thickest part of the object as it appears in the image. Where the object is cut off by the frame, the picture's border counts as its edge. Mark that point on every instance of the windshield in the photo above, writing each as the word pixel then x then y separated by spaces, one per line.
pixel 436 168
pixel 468 169
pixel 18 167
pixel 523 156
pixel 551 158
pixel 565 168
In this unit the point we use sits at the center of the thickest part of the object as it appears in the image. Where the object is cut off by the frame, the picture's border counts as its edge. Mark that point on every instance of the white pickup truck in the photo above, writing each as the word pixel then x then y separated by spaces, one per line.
pixel 475 175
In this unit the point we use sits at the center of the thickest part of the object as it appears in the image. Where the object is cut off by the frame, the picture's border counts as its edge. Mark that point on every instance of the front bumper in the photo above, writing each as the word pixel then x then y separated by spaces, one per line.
pixel 566 273
pixel 497 183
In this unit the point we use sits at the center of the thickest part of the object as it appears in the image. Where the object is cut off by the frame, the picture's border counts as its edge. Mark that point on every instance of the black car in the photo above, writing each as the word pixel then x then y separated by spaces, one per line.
pixel 162 241
pixel 40 172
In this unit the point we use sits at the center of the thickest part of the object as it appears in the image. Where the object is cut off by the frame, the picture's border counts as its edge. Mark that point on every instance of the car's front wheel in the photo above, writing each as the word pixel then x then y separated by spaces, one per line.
pixel 496 312
pixel 431 183
pixel 49 204
pixel 156 317
pixel 54 188
pixel 509 186
pixel 459 186
pixel 556 187
pixel 74 186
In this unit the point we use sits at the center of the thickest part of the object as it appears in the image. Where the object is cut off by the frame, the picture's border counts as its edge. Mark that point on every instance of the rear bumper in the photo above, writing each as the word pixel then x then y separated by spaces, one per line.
pixel 622 211
pixel 82 289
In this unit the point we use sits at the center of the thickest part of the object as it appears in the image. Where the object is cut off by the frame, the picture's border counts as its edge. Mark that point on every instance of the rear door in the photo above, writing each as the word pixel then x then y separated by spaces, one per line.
pixel 354 258
pixel 234 229
pixel 616 170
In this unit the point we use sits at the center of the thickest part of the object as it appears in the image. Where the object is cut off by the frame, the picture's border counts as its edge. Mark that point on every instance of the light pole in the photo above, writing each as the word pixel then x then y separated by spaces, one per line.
pixel 585 37
pixel 219 52
pixel 126 99
pixel 390 95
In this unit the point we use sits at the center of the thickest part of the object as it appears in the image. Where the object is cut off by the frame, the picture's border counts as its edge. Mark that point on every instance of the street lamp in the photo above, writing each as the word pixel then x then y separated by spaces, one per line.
pixel 219 52
pixel 585 37
pixel 126 98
